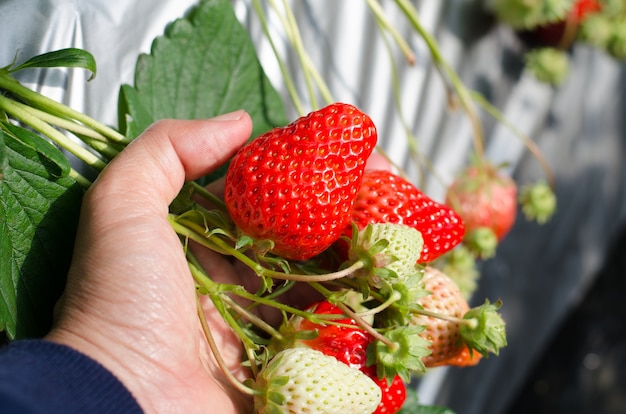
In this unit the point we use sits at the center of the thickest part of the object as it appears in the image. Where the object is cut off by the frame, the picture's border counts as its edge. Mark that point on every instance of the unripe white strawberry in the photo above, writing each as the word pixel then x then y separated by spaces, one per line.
pixel 445 299
pixel 405 244
pixel 388 249
pixel 303 380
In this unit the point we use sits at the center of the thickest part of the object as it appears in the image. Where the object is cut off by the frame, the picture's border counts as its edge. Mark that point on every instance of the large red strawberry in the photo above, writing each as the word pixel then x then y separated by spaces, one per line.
pixel 348 343
pixel 296 185
pixel 484 197
pixel 385 197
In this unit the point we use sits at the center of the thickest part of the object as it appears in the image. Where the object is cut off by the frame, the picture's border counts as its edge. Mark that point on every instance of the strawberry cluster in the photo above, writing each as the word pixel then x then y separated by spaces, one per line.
pixel 302 211
pixel 552 27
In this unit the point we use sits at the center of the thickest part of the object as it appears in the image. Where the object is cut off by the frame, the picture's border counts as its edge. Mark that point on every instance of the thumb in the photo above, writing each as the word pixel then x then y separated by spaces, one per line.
pixel 147 175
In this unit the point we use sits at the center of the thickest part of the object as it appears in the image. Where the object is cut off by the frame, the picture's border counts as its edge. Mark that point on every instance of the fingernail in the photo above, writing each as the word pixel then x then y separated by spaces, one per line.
pixel 231 116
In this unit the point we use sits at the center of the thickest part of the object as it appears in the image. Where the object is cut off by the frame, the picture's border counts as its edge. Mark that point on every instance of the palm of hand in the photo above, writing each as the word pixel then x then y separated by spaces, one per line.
pixel 130 302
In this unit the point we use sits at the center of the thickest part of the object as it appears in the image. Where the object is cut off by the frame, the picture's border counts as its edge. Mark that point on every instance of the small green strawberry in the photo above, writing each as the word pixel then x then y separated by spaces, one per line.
pixel 548 64
pixel 482 242
pixel 304 380
pixel 538 202
pixel 596 30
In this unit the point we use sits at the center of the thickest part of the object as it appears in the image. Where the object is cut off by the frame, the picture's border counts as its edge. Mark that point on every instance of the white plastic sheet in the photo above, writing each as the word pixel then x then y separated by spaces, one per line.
pixel 539 272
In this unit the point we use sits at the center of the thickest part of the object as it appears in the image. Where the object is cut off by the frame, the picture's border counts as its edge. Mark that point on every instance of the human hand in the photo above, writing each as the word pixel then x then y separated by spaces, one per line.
pixel 130 300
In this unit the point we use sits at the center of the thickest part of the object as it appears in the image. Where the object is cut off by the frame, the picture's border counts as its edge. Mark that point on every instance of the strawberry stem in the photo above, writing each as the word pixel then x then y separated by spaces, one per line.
pixel 25 114
pixel 289 83
pixel 385 25
pixel 216 352
pixel 252 317
pixel 447 73
pixel 215 293
pixel 209 196
pixel 471 323
pixel 36 100
pixel 394 297
pixel 357 318
pixel 212 241
pixel 529 143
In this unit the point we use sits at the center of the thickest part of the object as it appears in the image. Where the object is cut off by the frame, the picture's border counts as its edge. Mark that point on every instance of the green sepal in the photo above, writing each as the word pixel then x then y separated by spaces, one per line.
pixel 482 242
pixel 487 332
pixel 538 202
pixel 403 358
pixel 548 65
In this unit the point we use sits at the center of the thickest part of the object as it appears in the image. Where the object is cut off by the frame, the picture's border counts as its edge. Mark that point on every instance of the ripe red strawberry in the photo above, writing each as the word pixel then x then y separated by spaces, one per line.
pixel 296 185
pixel 484 197
pixel 393 395
pixel 385 197
pixel 446 299
pixel 348 344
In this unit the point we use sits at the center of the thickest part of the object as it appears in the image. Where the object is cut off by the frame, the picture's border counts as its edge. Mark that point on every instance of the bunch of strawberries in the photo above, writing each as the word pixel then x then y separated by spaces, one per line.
pixel 301 207
pixel 551 27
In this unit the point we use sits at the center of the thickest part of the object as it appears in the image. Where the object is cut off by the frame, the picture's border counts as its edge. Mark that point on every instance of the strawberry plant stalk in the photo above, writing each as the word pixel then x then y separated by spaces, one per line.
pixel 50 106
pixel 24 114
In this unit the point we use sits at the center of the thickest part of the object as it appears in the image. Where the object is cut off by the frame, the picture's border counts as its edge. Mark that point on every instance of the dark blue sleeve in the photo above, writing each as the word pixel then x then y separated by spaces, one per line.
pixel 38 376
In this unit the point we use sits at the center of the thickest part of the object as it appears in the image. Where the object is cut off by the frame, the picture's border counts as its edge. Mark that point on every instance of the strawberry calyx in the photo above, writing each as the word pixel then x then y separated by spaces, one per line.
pixel 482 242
pixel 548 64
pixel 538 202
pixel 401 355
pixel 486 333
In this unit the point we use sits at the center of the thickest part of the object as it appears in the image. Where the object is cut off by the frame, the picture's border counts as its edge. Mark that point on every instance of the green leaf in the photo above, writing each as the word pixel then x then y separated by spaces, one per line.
pixel 203 66
pixel 4 158
pixel 65 58
pixel 38 217
pixel 48 153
